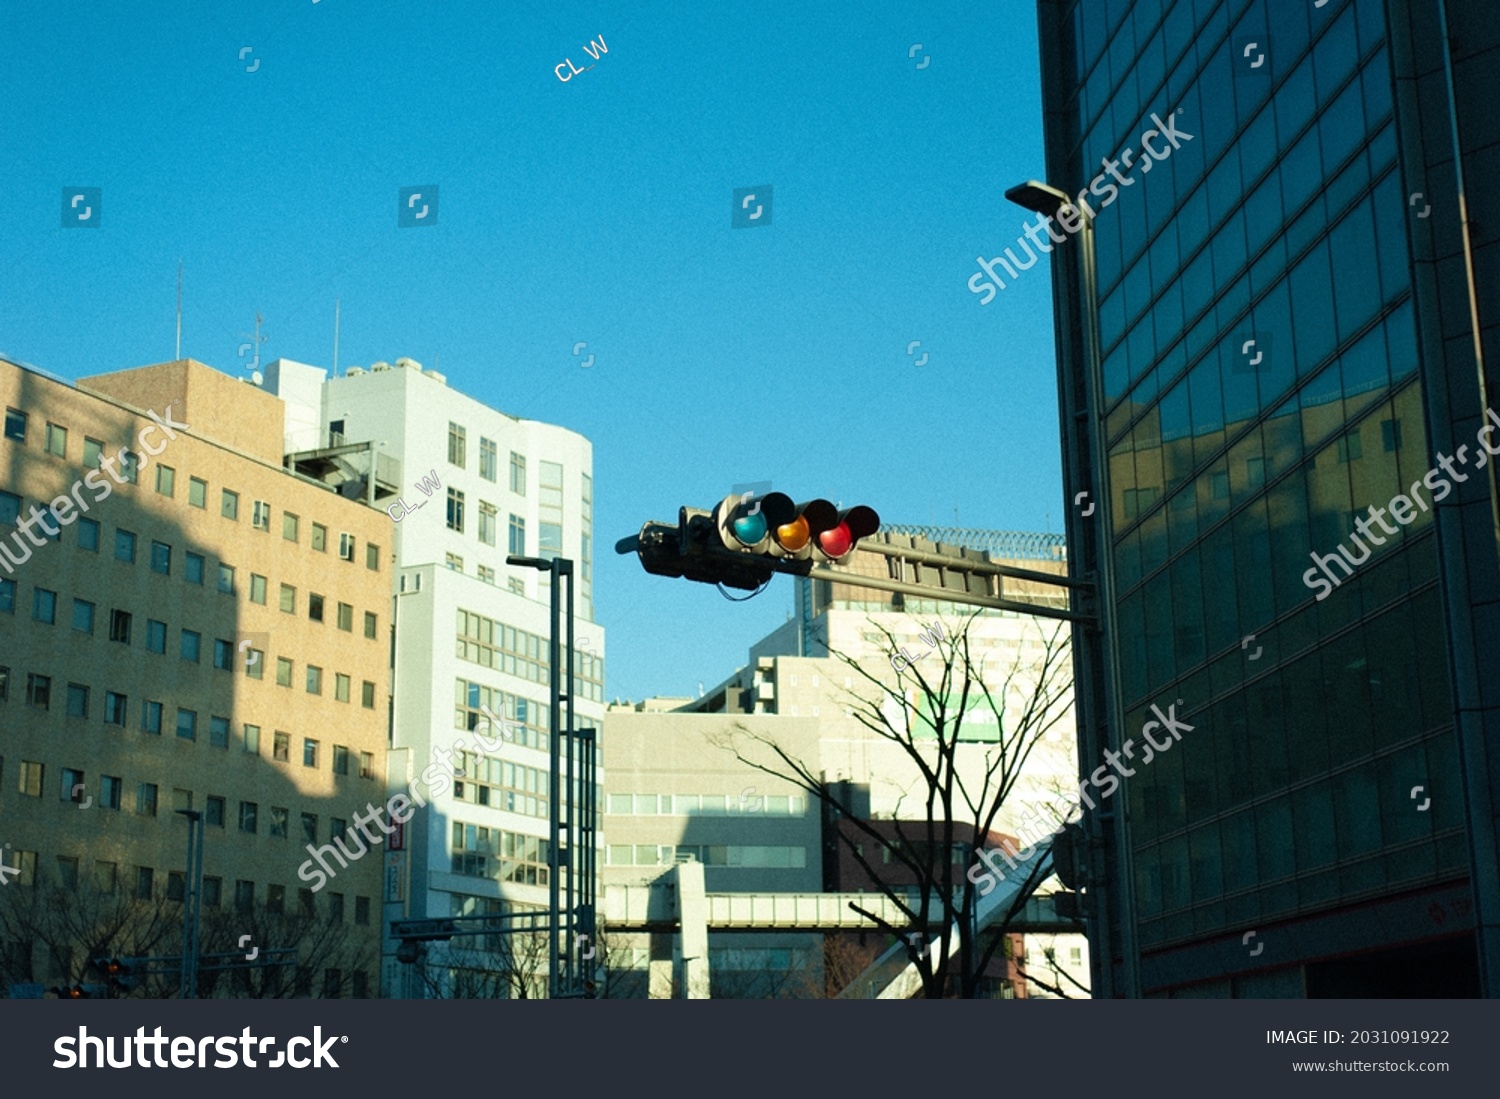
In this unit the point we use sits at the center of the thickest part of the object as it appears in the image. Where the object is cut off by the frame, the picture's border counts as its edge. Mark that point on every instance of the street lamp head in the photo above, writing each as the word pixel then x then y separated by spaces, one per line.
pixel 542 564
pixel 191 814
pixel 1039 197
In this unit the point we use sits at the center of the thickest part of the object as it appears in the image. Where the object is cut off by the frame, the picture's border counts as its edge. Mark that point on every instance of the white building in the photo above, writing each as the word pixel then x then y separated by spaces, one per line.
pixel 471 633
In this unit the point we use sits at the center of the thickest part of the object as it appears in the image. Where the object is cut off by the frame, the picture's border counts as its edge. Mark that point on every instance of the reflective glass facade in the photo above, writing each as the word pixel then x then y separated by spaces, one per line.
pixel 1260 388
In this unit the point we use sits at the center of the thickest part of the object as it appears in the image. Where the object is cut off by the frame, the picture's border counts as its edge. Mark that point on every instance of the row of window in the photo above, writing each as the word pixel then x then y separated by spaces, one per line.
pixel 747 803
pixel 117 709
pixel 492 644
pixel 56 443
pixel 489 458
pixel 747 857
pixel 107 878
pixel 195 568
pixel 482 852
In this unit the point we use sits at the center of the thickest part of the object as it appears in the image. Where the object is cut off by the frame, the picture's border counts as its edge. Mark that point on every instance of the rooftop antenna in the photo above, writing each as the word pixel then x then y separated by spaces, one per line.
pixel 178 356
pixel 335 337
pixel 253 347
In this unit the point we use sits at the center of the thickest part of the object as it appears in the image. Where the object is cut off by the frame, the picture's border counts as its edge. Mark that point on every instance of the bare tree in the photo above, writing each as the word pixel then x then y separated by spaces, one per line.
pixel 74 926
pixel 958 793
pixel 496 966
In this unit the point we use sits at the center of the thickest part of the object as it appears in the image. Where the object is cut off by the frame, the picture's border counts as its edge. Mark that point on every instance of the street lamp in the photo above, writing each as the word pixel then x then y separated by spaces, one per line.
pixel 558 567
pixel 192 904
pixel 1084 460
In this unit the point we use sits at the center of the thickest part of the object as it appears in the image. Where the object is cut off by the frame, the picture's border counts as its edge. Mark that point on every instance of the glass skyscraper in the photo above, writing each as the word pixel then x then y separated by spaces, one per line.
pixel 1288 294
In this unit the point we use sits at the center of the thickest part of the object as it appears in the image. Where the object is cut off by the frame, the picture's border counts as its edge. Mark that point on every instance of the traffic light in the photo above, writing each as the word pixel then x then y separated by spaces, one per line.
pixel 79 992
pixel 745 540
pixel 123 974
pixel 773 525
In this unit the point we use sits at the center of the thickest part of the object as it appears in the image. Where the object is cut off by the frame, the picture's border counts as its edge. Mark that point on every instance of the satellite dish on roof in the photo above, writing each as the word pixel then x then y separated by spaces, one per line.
pixel 257 378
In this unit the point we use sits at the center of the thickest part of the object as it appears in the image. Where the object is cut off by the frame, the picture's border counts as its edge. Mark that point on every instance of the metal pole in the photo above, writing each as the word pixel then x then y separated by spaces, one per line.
pixel 554 781
pixel 571 965
pixel 192 905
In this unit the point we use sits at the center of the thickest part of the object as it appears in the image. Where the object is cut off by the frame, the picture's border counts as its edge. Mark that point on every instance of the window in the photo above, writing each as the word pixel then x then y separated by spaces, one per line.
pixel 341 686
pixel 362 911
pixel 372 624
pixel 517 535
pixel 213 811
pixel 213 892
pixel 88 535
pixel 39 691
pixel 191 643
pixel 310 827
pixel 486 574
pixel 156 636
pixel 255 664
pixel 244 895
pixel 223 655
pixel 372 557
pixel 145 799
pixel 197 493
pixel 260 515
pixel 226 579
pixel 315 607
pixel 67 871
pixel 119 626
pixel 281 749
pixel 248 811
pixel 8 596
pixel 229 505
pixel 83 616
pixel 182 799
pixel 309 752
pixel 289 526
pixel 455 510
pixel 338 828
pixel 176 885
pixel 116 706
pixel 4 684
pixel 110 788
pixel 454 562
pixel 457 440
pixel 10 508
pixel 57 440
pixel 279 815
pixel 320 537
pixel 187 724
pixel 335 908
pixel 487 522
pixel 288 599
pixel 125 546
pixel 489 459
pixel 31 778
pixel 218 732
pixel 145 883
pixel 161 558
pixel 72 785
pixel 130 466
pixel 314 679
pixel 367 765
pixel 367 695
pixel 151 717
pixel 346 546
pixel 275 898
pixel 166 480
pixel 44 606
pixel 15 424
pixel 1390 435
pixel 251 739
pixel 78 700
pixel 340 759
pixel 257 589
pixel 192 569
pixel 517 474
pixel 283 672
pixel 550 516
pixel 93 450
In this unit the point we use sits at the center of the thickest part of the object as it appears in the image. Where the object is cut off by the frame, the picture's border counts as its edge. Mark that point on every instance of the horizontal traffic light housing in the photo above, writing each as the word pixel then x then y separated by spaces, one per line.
pixel 746 523
pixel 838 540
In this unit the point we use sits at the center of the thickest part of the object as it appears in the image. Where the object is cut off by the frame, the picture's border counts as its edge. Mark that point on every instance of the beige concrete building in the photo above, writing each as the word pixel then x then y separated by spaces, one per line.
pixel 675 794
pixel 204 630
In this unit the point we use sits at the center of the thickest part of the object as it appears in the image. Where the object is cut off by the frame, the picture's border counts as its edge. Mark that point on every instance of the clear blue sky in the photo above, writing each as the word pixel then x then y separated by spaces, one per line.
pixel 595 210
